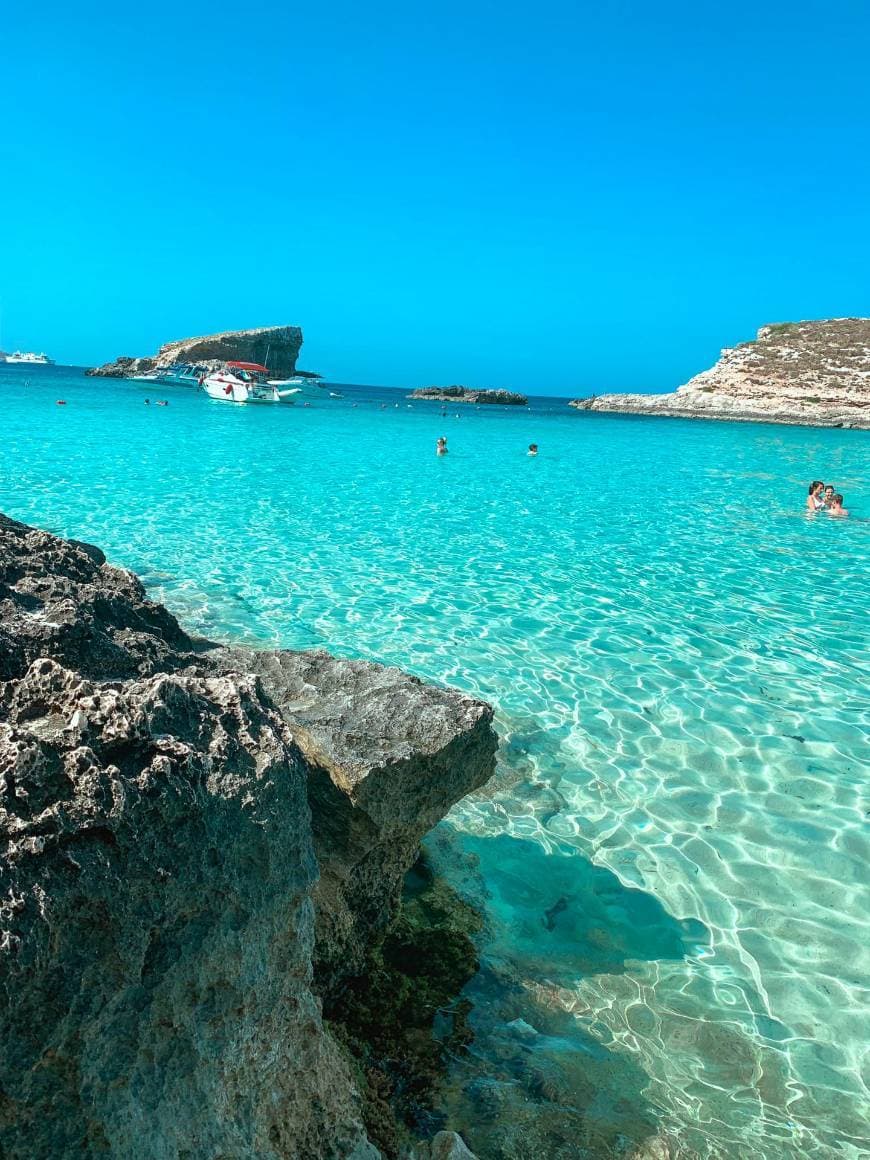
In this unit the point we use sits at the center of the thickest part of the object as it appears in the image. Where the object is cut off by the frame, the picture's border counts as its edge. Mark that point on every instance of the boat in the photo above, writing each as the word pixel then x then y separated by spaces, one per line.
pixel 26 356
pixel 181 374
pixel 306 387
pixel 244 382
pixel 146 377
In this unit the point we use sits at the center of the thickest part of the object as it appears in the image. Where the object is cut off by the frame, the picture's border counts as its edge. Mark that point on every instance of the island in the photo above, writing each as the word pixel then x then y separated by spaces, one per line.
pixel 204 946
pixel 813 373
pixel 276 347
pixel 455 394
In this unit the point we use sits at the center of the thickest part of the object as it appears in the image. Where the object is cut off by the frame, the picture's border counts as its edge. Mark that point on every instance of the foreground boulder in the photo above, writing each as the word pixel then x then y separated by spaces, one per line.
pixel 159 893
pixel 810 373
pixel 280 345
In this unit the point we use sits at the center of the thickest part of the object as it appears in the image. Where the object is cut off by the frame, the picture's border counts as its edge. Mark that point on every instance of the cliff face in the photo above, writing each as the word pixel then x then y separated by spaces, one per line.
pixel 159 896
pixel 815 373
pixel 280 344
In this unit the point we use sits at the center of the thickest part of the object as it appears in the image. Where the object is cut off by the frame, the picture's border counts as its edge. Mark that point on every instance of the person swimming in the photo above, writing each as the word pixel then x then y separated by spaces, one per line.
pixel 441 446
pixel 828 496
pixel 533 449
pixel 815 499
pixel 835 508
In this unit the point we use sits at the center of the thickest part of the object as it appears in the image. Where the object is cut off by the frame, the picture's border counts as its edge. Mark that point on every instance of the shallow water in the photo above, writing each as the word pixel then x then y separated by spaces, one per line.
pixel 673 858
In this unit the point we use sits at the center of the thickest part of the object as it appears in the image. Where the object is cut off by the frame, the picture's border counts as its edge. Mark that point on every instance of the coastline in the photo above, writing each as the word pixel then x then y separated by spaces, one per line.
pixel 615 405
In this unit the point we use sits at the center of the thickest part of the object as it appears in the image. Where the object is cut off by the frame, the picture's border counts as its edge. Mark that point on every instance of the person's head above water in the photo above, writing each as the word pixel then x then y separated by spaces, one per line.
pixel 815 486
pixel 829 491
pixel 533 449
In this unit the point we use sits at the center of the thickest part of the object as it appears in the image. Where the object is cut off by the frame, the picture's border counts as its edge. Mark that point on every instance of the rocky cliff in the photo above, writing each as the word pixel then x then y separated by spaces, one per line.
pixel 279 344
pixel 456 394
pixel 813 373
pixel 185 831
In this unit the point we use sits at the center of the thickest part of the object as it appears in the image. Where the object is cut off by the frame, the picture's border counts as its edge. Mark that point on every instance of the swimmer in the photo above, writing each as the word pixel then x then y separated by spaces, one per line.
pixel 835 507
pixel 815 501
pixel 533 449
pixel 441 446
pixel 147 402
pixel 162 403
pixel 828 497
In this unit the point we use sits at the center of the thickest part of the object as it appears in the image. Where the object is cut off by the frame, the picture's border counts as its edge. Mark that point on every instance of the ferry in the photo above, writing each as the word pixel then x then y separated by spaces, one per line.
pixel 28 357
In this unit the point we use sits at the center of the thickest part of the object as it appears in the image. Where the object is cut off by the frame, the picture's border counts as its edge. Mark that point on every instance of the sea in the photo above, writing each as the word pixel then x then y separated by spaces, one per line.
pixel 672 860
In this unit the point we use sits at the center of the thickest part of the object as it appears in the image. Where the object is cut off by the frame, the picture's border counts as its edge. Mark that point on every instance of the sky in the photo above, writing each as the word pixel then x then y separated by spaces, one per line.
pixel 562 198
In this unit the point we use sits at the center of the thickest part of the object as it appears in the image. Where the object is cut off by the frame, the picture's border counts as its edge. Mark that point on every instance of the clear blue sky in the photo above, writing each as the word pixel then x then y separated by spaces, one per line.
pixel 559 196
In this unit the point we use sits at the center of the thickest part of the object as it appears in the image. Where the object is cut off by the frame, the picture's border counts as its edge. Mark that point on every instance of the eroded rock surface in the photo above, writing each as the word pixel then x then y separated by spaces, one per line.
pixel 159 869
pixel 384 752
pixel 279 344
pixel 469 395
pixel 812 373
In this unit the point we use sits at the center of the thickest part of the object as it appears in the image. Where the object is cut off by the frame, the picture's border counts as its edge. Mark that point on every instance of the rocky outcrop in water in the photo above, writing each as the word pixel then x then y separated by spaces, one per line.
pixel 811 373
pixel 160 909
pixel 279 344
pixel 468 395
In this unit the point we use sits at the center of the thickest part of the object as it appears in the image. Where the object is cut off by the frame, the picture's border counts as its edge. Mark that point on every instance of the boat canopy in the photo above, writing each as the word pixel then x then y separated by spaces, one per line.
pixel 243 366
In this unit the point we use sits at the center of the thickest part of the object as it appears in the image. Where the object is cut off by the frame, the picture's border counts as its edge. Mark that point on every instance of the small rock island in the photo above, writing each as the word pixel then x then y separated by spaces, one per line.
pixel 814 374
pixel 455 394
pixel 279 344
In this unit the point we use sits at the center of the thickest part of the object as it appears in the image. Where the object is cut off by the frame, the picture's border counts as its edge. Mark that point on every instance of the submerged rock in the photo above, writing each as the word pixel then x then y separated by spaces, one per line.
pixel 469 395
pixel 280 344
pixel 159 902
pixel 811 373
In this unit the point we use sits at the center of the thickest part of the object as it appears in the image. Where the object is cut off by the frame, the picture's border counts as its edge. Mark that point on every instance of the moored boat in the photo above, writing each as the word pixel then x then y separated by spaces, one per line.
pixel 181 374
pixel 242 382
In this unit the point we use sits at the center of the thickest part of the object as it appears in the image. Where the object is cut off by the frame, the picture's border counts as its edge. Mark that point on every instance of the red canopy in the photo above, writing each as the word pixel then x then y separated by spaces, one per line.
pixel 248 366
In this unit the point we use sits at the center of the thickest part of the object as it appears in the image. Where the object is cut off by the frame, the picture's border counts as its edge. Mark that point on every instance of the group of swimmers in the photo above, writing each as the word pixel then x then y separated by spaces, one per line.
pixel 441 447
pixel 823 498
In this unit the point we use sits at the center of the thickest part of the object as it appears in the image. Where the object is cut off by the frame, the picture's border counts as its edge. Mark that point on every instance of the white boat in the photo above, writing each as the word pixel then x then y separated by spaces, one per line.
pixel 181 374
pixel 26 356
pixel 306 388
pixel 146 377
pixel 241 382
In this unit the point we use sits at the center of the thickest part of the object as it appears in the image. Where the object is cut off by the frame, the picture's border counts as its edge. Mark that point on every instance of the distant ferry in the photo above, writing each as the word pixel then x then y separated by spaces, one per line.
pixel 25 356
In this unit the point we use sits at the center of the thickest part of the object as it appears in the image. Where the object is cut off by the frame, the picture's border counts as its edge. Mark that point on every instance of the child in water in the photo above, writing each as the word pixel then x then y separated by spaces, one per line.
pixel 441 446
pixel 533 449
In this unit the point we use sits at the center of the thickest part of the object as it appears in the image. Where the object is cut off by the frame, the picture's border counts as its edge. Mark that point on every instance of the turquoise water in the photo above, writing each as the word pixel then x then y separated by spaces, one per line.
pixel 673 858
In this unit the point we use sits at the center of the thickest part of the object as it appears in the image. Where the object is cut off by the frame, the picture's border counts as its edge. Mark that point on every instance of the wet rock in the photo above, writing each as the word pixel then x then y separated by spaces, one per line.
pixel 387 756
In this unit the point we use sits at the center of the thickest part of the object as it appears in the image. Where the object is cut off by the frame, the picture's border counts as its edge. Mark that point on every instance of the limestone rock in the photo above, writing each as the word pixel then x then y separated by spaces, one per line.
pixel 812 373
pixel 468 395
pixel 159 866
pixel 59 598
pixel 279 344
pixel 156 926
pixel 387 755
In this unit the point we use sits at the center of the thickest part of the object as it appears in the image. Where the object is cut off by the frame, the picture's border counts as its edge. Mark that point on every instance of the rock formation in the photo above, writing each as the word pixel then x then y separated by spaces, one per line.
pixel 159 894
pixel 812 373
pixel 468 395
pixel 279 344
